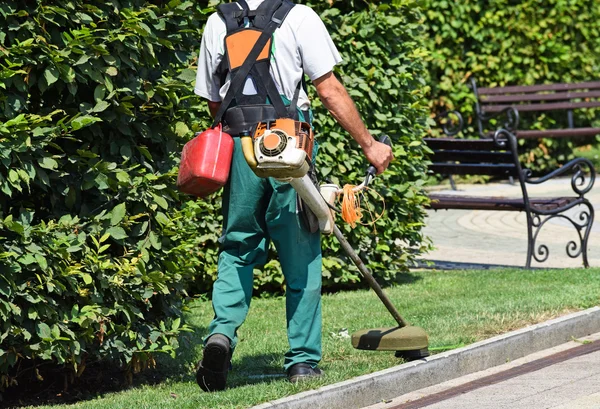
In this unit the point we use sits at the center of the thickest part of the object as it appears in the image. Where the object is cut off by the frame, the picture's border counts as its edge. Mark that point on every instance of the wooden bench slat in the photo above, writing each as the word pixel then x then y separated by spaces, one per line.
pixel 547 204
pixel 471 156
pixel 536 88
pixel 555 96
pixel 557 133
pixel 439 201
pixel 553 133
pixel 473 169
pixel 543 107
pixel 475 203
pixel 462 144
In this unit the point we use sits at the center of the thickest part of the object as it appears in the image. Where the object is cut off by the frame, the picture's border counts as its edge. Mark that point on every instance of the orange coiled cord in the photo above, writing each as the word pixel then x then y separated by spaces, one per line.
pixel 351 206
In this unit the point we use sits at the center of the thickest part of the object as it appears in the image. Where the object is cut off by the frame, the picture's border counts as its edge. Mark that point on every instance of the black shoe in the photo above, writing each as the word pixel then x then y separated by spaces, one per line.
pixel 301 372
pixel 212 370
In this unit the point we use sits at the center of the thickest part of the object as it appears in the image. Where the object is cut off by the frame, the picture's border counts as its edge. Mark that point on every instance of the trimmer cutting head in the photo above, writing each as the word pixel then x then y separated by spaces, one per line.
pixel 409 342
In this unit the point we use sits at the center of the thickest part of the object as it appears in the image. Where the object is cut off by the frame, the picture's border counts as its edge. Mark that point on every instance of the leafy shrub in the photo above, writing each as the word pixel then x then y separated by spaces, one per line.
pixel 513 43
pixel 98 250
pixel 95 241
pixel 383 69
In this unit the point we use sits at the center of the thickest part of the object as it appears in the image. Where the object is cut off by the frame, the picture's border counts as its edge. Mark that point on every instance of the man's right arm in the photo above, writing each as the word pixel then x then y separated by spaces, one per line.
pixel 213 107
pixel 336 99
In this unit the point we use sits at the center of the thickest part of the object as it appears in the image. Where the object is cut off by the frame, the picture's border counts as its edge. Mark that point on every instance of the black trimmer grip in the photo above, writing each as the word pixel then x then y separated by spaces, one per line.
pixel 372 170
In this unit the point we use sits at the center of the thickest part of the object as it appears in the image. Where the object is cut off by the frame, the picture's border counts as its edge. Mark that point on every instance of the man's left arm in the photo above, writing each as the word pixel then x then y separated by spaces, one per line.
pixel 334 96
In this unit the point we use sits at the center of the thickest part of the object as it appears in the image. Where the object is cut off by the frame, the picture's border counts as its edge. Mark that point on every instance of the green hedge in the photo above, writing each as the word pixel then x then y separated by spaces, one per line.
pixel 95 242
pixel 513 43
pixel 98 251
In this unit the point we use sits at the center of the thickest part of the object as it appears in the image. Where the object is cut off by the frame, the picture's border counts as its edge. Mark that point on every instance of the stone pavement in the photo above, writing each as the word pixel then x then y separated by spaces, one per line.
pixel 464 237
pixel 571 383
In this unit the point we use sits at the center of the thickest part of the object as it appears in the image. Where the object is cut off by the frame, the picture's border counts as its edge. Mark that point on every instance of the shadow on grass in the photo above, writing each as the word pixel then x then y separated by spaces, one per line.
pixel 399 279
pixel 59 387
pixel 256 369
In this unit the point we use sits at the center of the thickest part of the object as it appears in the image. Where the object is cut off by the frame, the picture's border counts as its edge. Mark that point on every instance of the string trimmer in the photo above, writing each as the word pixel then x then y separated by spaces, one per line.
pixel 282 149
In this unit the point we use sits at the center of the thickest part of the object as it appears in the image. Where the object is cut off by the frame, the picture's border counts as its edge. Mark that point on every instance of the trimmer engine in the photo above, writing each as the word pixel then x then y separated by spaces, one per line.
pixel 283 148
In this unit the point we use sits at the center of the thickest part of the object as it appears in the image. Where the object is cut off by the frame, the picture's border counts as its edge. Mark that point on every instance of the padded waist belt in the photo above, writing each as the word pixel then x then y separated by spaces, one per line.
pixel 244 118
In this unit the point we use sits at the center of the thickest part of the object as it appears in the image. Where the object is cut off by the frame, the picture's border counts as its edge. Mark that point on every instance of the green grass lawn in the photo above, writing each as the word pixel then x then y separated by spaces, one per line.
pixel 456 308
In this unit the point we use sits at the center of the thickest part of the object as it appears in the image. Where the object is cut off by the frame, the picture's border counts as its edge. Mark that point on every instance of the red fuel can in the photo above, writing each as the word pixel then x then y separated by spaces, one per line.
pixel 205 163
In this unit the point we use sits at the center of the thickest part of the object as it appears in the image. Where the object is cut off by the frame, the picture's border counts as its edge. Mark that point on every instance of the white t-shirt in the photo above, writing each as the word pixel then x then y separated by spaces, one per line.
pixel 301 45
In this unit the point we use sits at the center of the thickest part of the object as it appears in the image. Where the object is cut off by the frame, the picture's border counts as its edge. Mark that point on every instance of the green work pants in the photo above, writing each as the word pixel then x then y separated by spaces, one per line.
pixel 256 211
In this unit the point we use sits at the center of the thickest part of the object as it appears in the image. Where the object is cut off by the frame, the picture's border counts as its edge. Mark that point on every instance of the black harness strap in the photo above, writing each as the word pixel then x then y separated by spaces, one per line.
pixel 274 96
pixel 233 14
pixel 292 108
pixel 240 76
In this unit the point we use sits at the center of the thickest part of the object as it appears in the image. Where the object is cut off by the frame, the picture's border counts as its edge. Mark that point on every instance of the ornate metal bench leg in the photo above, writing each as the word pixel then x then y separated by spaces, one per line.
pixel 530 240
pixel 541 253
pixel 587 229
pixel 583 225
pixel 452 182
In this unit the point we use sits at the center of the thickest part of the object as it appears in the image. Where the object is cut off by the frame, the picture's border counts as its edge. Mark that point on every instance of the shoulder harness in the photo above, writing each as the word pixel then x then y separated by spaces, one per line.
pixel 248 61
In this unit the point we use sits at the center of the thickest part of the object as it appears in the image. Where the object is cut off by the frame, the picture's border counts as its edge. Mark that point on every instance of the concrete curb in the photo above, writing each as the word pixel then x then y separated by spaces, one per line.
pixel 369 389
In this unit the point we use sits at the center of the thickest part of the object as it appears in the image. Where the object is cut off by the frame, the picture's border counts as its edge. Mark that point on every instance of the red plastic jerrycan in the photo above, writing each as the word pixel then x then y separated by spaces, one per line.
pixel 205 163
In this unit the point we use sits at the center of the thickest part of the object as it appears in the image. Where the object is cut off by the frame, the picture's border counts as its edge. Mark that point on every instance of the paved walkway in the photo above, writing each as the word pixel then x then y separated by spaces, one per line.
pixel 500 237
pixel 464 237
pixel 563 377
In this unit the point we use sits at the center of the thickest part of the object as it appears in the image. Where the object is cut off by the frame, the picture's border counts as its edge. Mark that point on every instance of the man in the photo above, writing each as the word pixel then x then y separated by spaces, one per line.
pixel 258 210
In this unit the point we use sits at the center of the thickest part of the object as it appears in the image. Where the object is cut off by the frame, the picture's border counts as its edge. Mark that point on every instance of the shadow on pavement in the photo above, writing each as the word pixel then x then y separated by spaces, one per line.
pixel 453 265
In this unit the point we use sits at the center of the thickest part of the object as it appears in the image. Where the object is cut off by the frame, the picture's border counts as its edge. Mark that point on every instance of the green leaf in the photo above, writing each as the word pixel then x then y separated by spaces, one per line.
pixel 117 214
pixel 83 121
pixel 181 129
pixel 187 75
pixel 55 332
pixel 162 218
pixel 13 176
pixel 117 233
pixel 23 175
pixel 17 228
pixel 112 71
pixel 51 75
pixel 101 181
pixel 99 92
pixel 5 289
pixel 123 177
pixel 42 262
pixel 154 241
pixel 100 106
pixel 160 201
pixel 43 331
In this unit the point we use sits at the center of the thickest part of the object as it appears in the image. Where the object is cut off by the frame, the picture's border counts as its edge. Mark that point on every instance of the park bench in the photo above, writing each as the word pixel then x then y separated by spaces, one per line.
pixel 510 103
pixel 497 157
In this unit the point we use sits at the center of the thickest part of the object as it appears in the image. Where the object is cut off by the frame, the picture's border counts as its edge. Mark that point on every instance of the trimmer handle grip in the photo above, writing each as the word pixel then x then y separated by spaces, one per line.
pixel 372 170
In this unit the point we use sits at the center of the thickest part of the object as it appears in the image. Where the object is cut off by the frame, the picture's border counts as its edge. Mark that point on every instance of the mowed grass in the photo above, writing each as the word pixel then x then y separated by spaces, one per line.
pixel 456 308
